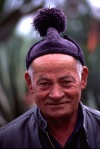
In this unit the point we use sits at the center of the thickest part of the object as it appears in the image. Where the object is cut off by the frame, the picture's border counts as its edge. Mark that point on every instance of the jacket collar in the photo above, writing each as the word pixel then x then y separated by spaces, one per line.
pixel 39 119
pixel 83 107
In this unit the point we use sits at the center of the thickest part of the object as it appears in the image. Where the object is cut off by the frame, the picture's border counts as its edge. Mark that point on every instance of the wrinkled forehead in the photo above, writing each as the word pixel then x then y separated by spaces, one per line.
pixel 54 62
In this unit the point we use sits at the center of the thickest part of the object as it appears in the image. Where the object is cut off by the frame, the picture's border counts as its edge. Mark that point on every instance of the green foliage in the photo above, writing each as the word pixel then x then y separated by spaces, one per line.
pixel 12 83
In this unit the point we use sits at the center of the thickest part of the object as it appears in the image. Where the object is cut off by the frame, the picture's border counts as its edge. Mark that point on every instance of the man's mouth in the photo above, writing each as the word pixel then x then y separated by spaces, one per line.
pixel 57 104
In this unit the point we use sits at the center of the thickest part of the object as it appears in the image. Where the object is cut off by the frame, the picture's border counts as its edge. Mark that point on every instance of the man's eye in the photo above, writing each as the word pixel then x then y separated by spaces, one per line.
pixel 44 85
pixel 67 82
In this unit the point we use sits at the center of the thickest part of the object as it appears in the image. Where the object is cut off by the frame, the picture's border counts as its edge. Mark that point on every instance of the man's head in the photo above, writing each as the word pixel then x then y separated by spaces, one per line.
pixel 56 73
pixel 56 81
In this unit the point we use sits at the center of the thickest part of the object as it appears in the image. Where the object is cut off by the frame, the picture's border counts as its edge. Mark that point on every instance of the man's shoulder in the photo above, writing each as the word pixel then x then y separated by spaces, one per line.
pixel 20 119
pixel 90 111
pixel 91 123
pixel 19 132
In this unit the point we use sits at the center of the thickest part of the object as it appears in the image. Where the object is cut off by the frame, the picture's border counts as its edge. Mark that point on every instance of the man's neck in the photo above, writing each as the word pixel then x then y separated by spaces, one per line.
pixel 62 128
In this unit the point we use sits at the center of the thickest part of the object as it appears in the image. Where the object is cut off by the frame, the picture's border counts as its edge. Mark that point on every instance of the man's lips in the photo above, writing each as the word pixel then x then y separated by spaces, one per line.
pixel 61 103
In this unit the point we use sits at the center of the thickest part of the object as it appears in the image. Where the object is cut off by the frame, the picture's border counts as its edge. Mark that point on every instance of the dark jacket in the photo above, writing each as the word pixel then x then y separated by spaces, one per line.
pixel 23 132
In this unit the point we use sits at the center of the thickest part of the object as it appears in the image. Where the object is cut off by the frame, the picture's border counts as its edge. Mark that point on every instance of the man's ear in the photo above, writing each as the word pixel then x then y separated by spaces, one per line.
pixel 84 76
pixel 28 82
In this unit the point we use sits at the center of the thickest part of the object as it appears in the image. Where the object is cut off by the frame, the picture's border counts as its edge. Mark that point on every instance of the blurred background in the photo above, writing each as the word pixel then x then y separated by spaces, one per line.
pixel 17 35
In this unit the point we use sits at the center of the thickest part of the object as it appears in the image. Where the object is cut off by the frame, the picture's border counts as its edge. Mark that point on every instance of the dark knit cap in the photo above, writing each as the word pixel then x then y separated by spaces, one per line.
pixel 50 22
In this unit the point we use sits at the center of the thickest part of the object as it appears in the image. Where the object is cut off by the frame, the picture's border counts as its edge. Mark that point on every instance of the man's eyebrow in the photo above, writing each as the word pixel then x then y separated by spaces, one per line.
pixel 42 78
pixel 66 77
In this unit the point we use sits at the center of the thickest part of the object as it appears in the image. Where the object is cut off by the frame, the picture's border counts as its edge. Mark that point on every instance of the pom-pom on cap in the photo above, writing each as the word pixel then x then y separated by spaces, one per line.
pixel 51 22
pixel 47 17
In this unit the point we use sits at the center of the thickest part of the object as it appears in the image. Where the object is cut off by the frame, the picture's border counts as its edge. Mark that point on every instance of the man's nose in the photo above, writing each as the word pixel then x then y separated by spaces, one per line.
pixel 56 92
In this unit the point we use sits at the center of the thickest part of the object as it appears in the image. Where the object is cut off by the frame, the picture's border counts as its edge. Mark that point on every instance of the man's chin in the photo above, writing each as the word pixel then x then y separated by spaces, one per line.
pixel 60 115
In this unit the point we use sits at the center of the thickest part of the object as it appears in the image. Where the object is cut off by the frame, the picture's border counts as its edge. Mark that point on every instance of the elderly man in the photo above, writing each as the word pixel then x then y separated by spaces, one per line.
pixel 55 76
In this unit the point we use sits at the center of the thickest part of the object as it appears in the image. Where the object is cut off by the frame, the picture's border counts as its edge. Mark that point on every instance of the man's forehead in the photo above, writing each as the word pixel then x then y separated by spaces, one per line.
pixel 54 58
pixel 54 63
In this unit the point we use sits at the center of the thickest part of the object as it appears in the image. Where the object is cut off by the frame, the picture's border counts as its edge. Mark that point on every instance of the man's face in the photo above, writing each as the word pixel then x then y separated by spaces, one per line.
pixel 56 85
